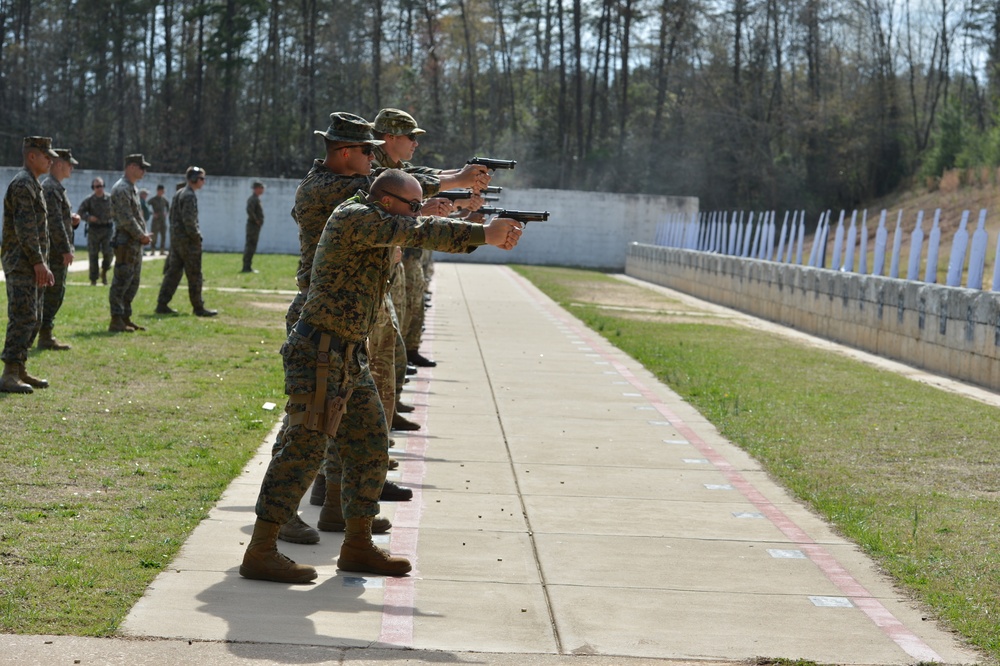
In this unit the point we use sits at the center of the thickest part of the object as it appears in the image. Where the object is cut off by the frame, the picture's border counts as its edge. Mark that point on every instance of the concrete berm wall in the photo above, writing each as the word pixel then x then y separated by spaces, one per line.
pixel 586 229
pixel 948 330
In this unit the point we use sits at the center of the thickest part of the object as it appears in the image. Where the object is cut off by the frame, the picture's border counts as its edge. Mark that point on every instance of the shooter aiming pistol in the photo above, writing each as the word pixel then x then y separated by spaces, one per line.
pixel 522 216
pixel 493 164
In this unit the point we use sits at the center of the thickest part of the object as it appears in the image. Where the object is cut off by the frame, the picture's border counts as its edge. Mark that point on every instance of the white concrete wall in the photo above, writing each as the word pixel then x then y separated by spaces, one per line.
pixel 586 229
pixel 222 206
pixel 949 330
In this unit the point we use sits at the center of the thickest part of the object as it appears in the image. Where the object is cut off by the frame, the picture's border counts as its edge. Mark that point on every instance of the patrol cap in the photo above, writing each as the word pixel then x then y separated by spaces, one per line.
pixel 349 128
pixel 256 184
pixel 396 121
pixel 66 154
pixel 137 158
pixel 193 173
pixel 42 143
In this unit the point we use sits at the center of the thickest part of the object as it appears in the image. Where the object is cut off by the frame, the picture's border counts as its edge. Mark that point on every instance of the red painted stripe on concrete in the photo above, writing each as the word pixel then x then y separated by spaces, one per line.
pixel 827 563
pixel 399 594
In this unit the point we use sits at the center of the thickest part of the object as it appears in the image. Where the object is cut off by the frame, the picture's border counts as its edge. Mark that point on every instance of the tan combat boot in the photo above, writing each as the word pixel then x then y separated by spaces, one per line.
pixel 33 382
pixel 118 325
pixel 331 516
pixel 358 553
pixel 131 324
pixel 46 341
pixel 297 531
pixel 11 382
pixel 262 561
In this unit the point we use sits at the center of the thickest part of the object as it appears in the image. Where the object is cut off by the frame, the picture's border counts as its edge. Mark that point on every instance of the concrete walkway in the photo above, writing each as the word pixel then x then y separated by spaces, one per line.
pixel 568 509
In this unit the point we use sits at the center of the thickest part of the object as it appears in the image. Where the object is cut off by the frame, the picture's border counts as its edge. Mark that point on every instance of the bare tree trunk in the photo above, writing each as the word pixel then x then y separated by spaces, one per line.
pixel 377 53
pixel 578 74
pixel 626 40
pixel 471 72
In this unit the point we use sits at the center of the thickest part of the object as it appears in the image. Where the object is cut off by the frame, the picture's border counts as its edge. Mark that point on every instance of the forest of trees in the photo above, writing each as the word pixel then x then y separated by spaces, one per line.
pixel 750 103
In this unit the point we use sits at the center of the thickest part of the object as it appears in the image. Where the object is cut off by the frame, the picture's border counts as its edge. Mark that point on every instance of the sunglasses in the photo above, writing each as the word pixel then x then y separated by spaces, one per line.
pixel 414 204
pixel 366 148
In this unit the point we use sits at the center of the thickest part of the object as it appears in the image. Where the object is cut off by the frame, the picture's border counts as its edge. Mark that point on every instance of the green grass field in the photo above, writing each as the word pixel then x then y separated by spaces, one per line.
pixel 106 472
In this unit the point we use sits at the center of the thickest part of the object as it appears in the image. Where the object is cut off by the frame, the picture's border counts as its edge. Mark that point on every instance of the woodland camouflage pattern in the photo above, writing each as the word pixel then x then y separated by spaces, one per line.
pixel 349 281
pixel 130 227
pixel 25 242
pixel 60 228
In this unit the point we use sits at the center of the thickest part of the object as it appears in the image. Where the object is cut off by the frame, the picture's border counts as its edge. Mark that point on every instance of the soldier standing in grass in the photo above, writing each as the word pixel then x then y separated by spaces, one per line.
pixel 255 220
pixel 23 250
pixel 130 236
pixel 62 222
pixel 327 375
pixel 160 208
pixel 185 248
pixel 95 211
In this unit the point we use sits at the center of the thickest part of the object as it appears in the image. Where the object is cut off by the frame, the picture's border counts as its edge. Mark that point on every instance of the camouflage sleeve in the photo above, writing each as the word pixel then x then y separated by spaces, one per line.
pixel 56 207
pixel 126 216
pixel 255 212
pixel 373 227
pixel 29 227
pixel 187 216
pixel 84 210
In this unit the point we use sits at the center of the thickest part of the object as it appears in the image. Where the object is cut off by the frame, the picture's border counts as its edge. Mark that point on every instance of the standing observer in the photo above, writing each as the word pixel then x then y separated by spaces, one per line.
pixel 255 220
pixel 130 236
pixel 62 222
pixel 185 247
pixel 95 211
pixel 24 247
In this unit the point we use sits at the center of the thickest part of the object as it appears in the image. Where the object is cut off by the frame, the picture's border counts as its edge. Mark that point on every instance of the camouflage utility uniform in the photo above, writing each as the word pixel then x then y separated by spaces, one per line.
pixel 25 243
pixel 349 280
pixel 98 233
pixel 185 250
pixel 60 230
pixel 255 220
pixel 412 322
pixel 130 230
pixel 158 226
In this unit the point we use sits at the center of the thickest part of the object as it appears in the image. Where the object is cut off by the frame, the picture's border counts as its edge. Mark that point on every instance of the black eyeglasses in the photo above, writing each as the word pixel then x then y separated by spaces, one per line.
pixel 366 148
pixel 414 204
pixel 412 137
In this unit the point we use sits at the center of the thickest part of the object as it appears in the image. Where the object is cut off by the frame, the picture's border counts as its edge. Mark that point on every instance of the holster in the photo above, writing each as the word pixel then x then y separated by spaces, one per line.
pixel 323 414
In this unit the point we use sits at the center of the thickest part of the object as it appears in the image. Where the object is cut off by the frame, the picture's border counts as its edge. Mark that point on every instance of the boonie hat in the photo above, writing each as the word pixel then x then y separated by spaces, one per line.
pixel 349 128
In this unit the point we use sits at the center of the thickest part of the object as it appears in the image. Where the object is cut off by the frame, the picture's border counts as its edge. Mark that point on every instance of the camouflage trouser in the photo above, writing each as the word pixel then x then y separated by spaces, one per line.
pixel 184 260
pixel 294 310
pixel 427 262
pixel 99 242
pixel 413 322
pixel 24 312
pixel 250 248
pixel 52 297
pixel 382 353
pixel 158 231
pixel 362 440
pixel 125 283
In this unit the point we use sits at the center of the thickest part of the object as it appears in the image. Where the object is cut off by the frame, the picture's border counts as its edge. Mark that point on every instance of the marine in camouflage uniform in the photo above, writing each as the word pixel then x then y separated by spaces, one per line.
pixel 61 225
pixel 400 132
pixel 24 247
pixel 130 236
pixel 95 211
pixel 329 183
pixel 255 220
pixel 158 227
pixel 349 281
pixel 185 248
